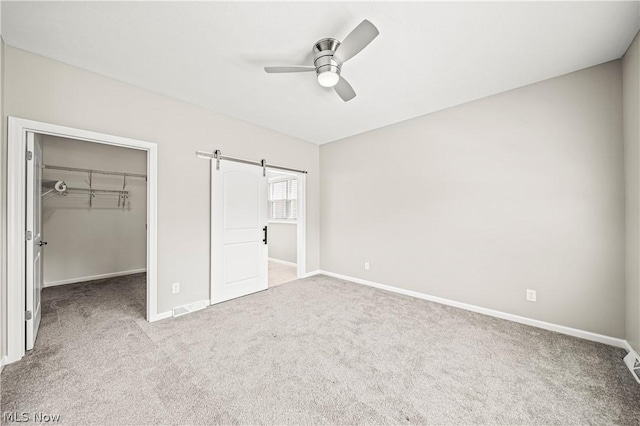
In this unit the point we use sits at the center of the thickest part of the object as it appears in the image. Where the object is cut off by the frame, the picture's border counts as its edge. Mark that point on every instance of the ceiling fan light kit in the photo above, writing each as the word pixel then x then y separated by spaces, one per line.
pixel 328 78
pixel 327 68
pixel 330 54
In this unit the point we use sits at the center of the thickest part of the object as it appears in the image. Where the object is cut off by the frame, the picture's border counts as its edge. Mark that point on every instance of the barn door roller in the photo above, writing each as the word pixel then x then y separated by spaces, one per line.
pixel 217 155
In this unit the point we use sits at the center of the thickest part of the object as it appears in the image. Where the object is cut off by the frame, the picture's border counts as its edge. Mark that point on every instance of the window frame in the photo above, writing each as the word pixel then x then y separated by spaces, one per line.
pixel 288 199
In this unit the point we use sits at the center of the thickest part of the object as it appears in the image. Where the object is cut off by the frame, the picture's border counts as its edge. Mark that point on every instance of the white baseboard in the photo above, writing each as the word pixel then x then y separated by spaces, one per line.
pixel 628 347
pixel 94 277
pixel 608 340
pixel 190 307
pixel 312 273
pixel 161 316
pixel 283 262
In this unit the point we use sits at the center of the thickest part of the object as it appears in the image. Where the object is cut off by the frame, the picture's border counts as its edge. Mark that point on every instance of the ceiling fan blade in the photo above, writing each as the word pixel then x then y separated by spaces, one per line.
pixel 357 40
pixel 293 68
pixel 344 90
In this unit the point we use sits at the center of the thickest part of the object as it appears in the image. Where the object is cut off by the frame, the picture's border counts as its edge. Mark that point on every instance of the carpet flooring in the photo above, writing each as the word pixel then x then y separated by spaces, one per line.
pixel 280 274
pixel 312 351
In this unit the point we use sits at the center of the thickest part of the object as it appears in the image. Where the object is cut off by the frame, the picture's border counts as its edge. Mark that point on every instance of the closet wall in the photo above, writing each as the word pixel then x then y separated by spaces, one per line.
pixel 106 239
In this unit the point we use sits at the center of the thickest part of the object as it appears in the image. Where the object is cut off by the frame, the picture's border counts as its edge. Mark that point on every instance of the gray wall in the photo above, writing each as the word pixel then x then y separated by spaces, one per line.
pixel 477 203
pixel 283 241
pixel 83 241
pixel 41 89
pixel 631 128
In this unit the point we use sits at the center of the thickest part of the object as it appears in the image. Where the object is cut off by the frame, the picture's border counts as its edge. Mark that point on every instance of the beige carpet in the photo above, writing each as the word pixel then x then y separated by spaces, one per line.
pixel 313 351
pixel 280 274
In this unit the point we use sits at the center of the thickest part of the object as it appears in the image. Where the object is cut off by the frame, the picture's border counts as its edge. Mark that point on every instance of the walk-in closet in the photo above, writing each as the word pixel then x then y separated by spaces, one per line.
pixel 94 211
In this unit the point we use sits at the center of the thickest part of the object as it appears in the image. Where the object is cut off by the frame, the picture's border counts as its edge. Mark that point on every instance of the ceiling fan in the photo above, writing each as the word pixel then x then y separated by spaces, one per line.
pixel 330 54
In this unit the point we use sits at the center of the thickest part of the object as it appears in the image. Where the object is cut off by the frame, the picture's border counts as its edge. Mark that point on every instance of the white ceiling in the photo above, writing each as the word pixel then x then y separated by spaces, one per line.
pixel 428 56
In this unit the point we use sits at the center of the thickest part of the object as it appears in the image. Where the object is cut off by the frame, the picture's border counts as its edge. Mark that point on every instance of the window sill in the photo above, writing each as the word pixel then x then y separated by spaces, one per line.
pixel 288 222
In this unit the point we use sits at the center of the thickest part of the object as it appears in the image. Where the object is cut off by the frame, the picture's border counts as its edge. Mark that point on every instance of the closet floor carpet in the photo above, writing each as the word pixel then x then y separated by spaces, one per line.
pixel 317 350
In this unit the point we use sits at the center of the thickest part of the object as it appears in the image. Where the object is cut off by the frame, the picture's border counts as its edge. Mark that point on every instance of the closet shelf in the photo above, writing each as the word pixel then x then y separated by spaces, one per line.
pixel 60 187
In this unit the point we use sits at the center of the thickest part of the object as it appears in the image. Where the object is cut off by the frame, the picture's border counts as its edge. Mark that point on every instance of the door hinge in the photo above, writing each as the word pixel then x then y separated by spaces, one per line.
pixel 29 235
pixel 29 155
pixel 27 315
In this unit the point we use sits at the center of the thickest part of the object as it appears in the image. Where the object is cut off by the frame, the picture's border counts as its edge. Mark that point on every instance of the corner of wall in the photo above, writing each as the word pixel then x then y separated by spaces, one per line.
pixel 631 136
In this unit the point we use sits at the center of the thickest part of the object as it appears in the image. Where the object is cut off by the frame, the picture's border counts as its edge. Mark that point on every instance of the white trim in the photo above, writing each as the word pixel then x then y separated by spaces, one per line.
pixel 283 262
pixel 628 347
pixel 276 179
pixel 301 221
pixel 311 274
pixel 94 277
pixel 301 230
pixel 16 141
pixel 16 170
pixel 162 315
pixel 152 232
pixel 285 175
pixel 283 222
pixel 595 337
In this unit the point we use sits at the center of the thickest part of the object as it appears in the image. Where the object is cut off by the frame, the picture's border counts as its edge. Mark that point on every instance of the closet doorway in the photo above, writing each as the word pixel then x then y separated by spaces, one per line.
pixel 88 208
pixel 93 223
pixel 94 211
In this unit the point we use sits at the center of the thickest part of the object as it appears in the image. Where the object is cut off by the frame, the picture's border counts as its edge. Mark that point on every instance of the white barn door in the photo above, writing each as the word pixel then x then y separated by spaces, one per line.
pixel 239 255
pixel 34 240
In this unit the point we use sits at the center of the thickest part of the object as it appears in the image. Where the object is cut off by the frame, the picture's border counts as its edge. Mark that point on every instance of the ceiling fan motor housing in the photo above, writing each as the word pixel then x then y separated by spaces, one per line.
pixel 324 61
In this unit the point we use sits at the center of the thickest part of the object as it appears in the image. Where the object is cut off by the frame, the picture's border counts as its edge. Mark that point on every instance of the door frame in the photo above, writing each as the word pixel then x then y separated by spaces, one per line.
pixel 16 222
pixel 301 220
pixel 301 225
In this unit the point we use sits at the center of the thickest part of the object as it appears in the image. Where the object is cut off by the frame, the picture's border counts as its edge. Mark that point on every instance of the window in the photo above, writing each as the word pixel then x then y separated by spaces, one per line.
pixel 283 199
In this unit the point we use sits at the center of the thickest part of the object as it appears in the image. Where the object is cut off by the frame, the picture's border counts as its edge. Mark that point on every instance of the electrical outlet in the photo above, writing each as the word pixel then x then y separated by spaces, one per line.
pixel 366 265
pixel 531 295
pixel 175 287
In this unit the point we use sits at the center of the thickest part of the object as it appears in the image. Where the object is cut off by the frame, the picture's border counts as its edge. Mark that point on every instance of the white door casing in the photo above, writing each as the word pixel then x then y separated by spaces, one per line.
pixel 239 255
pixel 18 129
pixel 34 243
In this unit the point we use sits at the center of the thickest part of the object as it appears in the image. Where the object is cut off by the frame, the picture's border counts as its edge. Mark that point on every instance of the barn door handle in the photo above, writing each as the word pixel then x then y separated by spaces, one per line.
pixel 265 235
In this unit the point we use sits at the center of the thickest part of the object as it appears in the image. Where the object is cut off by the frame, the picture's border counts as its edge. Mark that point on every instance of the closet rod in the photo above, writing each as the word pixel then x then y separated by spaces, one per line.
pixel 92 191
pixel 99 191
pixel 102 172
pixel 218 156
